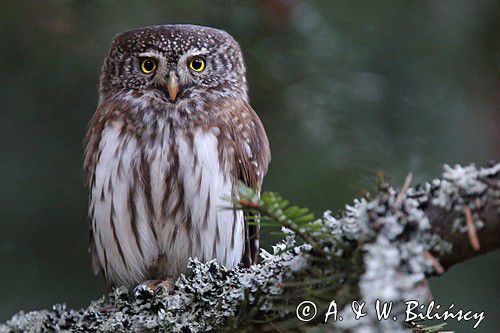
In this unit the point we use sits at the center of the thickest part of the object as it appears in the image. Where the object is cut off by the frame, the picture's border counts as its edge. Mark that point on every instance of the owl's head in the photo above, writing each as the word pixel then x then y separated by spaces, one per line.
pixel 172 63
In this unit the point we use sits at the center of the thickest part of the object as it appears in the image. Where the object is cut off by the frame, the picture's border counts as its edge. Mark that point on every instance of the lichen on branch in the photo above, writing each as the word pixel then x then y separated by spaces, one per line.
pixel 380 249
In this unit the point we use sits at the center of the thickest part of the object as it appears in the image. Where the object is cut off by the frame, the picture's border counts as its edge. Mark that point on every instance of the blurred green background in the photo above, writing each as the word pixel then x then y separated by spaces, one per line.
pixel 344 88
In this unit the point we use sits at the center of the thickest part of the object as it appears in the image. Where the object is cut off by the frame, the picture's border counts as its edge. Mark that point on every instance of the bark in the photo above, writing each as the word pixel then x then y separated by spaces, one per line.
pixel 488 235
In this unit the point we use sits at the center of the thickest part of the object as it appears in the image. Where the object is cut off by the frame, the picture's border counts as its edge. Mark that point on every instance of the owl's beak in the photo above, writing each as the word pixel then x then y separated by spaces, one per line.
pixel 172 85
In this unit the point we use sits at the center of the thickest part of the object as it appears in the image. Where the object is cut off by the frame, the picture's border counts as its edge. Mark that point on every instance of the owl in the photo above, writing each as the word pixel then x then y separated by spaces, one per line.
pixel 172 136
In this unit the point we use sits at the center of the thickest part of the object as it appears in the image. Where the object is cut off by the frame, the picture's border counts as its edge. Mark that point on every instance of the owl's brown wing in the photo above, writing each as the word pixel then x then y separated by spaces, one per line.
pixel 252 158
pixel 91 155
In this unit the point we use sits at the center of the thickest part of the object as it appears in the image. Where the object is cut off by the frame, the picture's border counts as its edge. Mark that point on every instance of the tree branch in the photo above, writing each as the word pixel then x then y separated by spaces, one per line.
pixel 488 235
pixel 381 249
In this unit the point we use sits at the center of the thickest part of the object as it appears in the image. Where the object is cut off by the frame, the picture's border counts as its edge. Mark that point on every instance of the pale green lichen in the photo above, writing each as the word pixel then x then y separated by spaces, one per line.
pixel 200 302
pixel 391 233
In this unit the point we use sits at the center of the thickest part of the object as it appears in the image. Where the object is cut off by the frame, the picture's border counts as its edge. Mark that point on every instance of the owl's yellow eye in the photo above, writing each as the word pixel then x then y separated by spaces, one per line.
pixel 148 66
pixel 197 64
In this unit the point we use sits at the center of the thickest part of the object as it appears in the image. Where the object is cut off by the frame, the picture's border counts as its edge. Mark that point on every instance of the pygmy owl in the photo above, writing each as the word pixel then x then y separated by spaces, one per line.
pixel 172 135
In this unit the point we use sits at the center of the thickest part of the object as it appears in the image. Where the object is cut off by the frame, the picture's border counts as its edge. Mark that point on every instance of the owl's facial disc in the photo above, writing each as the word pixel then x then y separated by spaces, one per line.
pixel 171 63
pixel 171 74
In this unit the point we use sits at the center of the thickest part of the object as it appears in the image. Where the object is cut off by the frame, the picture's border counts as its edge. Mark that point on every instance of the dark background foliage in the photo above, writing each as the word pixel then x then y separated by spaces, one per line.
pixel 344 89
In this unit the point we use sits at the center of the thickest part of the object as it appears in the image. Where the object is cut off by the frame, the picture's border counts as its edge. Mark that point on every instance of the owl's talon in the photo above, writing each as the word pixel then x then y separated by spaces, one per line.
pixel 156 286
pixel 167 285
pixel 151 284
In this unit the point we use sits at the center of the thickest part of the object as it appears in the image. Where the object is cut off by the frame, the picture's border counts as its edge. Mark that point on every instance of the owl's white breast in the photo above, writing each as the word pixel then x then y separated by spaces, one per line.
pixel 173 190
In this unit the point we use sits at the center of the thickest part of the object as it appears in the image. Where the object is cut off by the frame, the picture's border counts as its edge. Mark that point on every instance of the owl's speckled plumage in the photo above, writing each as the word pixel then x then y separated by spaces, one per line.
pixel 158 167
